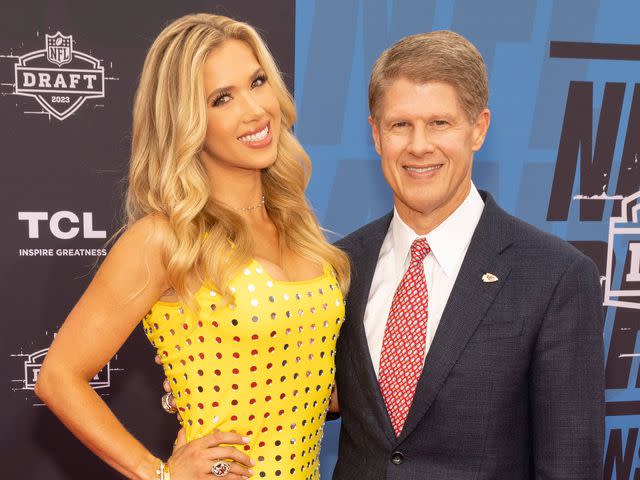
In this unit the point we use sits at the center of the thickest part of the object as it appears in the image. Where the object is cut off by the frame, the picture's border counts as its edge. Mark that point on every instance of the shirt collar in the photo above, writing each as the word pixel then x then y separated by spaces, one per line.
pixel 448 241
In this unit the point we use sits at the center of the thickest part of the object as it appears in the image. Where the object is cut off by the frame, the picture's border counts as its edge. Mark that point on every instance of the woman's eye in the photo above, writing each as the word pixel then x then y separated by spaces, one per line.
pixel 259 81
pixel 221 99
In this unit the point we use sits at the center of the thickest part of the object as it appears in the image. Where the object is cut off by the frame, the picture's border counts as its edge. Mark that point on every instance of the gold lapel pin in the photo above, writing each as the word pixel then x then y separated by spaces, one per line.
pixel 489 278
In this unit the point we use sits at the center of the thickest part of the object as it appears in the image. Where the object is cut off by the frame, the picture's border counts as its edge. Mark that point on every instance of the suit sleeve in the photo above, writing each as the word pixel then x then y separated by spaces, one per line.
pixel 567 380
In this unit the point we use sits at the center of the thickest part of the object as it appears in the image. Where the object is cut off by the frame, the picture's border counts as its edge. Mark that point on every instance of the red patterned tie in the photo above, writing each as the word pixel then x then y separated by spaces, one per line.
pixel 405 337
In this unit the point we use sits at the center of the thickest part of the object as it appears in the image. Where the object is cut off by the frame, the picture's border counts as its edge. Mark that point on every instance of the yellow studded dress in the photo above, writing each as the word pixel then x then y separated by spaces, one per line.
pixel 262 366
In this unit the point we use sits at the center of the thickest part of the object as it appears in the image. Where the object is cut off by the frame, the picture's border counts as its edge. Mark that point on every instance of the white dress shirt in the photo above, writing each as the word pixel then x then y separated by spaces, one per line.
pixel 449 242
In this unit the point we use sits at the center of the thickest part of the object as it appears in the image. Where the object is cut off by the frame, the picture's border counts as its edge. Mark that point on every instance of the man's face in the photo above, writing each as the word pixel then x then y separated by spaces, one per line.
pixel 426 143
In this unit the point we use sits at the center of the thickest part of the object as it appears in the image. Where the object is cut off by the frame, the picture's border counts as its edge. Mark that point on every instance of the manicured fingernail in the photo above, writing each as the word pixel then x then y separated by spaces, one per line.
pixel 246 439
pixel 250 472
pixel 253 463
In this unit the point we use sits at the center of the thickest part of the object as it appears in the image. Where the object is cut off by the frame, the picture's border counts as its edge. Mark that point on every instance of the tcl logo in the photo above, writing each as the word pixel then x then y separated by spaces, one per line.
pixel 63 225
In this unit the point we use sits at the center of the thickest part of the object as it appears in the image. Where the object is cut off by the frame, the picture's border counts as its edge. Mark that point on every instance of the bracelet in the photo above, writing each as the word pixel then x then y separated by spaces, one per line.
pixel 162 473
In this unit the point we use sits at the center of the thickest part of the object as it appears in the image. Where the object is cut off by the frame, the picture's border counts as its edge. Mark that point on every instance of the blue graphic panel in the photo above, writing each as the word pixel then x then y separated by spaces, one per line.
pixel 546 78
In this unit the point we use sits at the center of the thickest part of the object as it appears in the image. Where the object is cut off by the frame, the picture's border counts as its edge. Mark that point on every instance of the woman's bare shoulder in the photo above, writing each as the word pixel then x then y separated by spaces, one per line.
pixel 150 231
pixel 141 245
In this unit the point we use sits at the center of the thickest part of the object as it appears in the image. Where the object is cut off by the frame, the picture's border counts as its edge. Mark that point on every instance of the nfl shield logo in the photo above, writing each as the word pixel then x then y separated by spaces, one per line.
pixel 60 90
pixel 58 49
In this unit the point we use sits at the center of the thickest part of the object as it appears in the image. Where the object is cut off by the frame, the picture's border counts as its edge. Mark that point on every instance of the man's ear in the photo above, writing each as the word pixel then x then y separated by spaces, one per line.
pixel 480 129
pixel 375 133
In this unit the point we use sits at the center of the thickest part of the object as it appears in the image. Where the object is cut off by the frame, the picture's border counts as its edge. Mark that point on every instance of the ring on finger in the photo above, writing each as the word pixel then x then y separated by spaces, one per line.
pixel 166 404
pixel 220 468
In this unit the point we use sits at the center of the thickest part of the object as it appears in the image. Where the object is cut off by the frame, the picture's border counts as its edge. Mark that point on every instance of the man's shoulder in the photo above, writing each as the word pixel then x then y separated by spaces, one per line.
pixel 371 230
pixel 531 241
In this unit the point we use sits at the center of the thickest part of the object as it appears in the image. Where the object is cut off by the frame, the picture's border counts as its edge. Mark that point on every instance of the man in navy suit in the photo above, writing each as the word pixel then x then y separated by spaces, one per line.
pixel 472 347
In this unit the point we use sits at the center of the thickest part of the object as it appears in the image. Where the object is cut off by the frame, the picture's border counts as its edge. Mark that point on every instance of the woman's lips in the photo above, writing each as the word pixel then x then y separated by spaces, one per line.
pixel 258 138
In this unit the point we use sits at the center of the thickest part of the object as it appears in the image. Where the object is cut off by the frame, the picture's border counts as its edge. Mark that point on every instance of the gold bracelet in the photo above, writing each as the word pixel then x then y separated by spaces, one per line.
pixel 162 473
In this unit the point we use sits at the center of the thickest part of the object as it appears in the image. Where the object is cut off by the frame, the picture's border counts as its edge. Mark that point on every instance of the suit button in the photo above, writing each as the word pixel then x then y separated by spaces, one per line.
pixel 397 458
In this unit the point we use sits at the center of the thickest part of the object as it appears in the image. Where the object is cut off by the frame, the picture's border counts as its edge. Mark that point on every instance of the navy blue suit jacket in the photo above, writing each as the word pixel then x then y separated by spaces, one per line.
pixel 513 384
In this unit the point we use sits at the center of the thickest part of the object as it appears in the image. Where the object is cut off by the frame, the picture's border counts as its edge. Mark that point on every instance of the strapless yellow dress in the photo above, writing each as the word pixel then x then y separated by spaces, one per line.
pixel 263 366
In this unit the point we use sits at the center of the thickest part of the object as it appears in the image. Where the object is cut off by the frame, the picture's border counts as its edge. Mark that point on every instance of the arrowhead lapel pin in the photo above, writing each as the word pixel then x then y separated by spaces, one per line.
pixel 489 278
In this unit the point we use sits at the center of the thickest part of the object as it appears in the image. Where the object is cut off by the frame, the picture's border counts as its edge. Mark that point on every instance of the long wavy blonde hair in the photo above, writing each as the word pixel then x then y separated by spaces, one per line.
pixel 167 178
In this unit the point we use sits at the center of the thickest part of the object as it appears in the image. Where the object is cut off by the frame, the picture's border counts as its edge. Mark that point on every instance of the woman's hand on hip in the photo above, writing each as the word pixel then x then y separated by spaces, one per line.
pixel 194 460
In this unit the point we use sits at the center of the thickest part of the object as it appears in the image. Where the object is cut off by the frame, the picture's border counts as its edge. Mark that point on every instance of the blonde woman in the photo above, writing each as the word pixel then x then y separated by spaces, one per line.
pixel 225 263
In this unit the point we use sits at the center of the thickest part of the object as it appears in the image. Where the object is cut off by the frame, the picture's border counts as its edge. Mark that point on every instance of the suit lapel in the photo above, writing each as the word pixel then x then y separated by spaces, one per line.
pixel 469 301
pixel 364 259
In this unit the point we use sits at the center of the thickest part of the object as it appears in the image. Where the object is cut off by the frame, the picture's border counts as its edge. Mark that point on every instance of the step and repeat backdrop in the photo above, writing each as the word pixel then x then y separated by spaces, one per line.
pixel 562 153
pixel 68 73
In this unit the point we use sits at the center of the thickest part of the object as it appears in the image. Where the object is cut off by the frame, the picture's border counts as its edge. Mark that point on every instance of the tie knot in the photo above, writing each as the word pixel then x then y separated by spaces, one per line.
pixel 419 249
